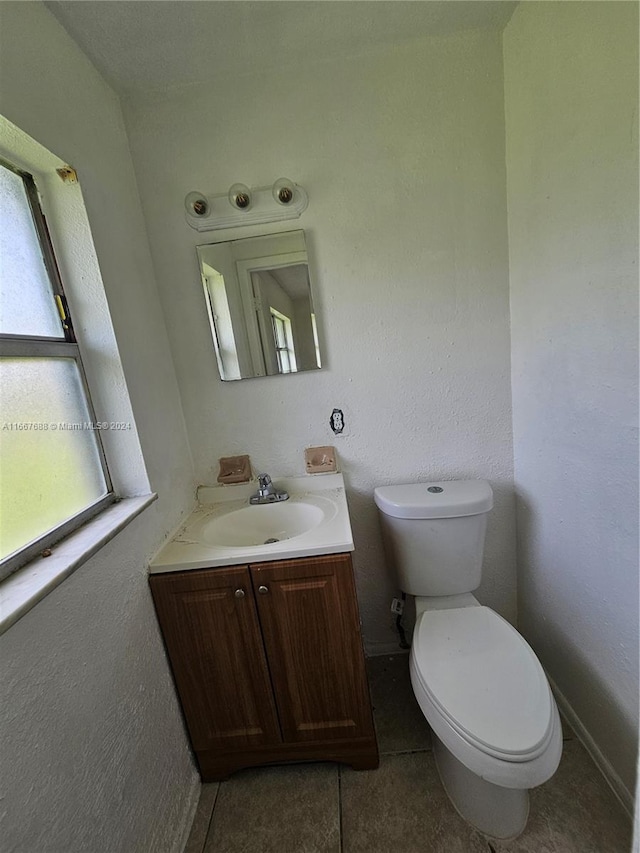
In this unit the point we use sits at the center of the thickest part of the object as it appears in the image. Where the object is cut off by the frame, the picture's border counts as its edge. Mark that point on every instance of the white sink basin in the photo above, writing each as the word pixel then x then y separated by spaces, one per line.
pixel 264 524
pixel 226 531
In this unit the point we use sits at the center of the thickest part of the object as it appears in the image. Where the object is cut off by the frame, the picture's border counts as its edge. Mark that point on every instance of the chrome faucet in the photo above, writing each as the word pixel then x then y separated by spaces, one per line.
pixel 267 492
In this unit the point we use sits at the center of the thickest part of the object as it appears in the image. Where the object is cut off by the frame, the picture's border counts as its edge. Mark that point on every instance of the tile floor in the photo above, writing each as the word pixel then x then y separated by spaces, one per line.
pixel 401 807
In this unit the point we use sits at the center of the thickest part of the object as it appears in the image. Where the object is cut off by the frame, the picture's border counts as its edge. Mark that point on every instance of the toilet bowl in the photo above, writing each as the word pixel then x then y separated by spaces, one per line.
pixel 479 684
pixel 496 725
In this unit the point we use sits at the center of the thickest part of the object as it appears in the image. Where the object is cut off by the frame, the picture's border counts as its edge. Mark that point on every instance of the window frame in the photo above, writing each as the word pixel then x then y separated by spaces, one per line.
pixel 65 346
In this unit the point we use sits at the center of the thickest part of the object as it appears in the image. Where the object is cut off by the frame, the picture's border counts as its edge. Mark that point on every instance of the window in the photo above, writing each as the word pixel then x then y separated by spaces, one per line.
pixel 283 339
pixel 53 470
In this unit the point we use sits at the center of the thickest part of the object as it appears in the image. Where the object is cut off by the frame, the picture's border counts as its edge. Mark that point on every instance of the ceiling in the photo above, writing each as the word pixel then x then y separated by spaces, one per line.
pixel 294 280
pixel 141 46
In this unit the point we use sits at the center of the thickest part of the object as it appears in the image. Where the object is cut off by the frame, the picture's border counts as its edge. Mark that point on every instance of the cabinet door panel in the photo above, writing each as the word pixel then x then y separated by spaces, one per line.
pixel 311 633
pixel 215 647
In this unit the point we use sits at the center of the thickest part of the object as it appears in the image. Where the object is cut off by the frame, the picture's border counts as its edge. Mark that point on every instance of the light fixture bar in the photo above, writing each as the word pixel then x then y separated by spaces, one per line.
pixel 283 200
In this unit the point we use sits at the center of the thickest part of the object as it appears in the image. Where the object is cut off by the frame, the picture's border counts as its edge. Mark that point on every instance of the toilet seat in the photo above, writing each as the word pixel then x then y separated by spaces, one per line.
pixel 485 694
pixel 485 680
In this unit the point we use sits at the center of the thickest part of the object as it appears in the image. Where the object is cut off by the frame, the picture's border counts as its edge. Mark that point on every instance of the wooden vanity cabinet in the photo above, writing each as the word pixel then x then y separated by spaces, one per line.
pixel 211 631
pixel 268 663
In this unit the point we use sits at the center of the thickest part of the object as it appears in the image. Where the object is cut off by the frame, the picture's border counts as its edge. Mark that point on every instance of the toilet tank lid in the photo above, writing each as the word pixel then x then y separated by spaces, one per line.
pixel 448 499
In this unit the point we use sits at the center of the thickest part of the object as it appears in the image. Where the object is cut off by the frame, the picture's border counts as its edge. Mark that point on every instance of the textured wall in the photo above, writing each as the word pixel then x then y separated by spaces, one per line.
pixel 402 153
pixel 571 83
pixel 94 757
pixel 93 754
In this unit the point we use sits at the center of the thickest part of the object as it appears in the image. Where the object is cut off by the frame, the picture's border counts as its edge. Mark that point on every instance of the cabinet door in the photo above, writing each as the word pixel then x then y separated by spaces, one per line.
pixel 211 631
pixel 309 616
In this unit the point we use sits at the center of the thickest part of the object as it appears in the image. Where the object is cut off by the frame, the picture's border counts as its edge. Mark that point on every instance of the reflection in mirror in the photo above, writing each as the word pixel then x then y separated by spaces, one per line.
pixel 258 297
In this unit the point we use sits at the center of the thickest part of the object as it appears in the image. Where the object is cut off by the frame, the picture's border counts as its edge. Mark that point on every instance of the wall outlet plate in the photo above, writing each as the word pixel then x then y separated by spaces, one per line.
pixel 336 421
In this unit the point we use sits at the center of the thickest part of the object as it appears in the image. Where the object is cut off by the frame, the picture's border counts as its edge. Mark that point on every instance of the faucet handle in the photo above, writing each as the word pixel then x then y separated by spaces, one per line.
pixel 264 480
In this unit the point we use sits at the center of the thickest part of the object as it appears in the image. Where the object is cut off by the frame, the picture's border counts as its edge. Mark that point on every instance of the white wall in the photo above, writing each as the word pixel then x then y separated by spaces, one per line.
pixel 93 752
pixel 402 153
pixel 571 83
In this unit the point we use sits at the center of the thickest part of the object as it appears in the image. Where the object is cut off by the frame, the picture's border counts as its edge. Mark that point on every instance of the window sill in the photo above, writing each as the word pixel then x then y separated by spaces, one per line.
pixel 23 590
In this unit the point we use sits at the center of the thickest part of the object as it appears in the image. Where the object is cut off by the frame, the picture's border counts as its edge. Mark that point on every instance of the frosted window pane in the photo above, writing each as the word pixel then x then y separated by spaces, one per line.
pixel 48 472
pixel 27 306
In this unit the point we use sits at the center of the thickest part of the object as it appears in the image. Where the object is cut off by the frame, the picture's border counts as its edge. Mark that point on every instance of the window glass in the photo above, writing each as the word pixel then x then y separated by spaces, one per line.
pixel 27 306
pixel 51 468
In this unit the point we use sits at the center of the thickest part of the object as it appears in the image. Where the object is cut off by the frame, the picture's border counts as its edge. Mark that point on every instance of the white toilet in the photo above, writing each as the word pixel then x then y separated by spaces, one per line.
pixel 479 684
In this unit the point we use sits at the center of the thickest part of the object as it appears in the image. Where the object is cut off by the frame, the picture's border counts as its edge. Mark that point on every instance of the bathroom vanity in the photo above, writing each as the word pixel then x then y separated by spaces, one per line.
pixel 266 653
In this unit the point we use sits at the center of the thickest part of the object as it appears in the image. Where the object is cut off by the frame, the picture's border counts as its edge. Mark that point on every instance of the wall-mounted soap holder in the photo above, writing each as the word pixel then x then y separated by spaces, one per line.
pixel 321 460
pixel 234 469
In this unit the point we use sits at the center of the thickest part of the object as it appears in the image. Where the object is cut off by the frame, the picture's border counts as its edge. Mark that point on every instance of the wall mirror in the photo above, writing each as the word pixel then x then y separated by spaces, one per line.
pixel 258 296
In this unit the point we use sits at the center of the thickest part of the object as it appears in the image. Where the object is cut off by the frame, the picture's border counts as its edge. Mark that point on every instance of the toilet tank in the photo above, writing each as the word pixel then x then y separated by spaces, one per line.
pixel 434 534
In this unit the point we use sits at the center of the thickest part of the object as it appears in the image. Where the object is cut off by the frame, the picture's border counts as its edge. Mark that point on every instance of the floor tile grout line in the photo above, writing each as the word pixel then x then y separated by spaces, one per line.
pixel 406 751
pixel 210 822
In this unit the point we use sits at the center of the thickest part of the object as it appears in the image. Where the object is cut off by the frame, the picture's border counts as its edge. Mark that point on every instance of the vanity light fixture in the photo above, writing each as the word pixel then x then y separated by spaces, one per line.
pixel 246 206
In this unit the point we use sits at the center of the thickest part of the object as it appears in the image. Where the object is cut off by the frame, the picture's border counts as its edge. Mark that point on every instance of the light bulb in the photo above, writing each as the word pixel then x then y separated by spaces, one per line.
pixel 196 204
pixel 283 191
pixel 240 196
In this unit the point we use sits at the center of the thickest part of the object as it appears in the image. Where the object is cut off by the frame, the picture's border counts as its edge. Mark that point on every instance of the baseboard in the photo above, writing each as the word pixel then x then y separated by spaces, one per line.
pixel 616 784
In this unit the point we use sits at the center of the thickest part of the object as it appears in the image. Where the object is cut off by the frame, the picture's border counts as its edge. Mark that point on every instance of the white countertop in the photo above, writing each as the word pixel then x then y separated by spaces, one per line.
pixel 186 550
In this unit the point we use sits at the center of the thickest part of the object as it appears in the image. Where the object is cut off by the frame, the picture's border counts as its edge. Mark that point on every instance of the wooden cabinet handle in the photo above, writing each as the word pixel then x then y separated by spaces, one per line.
pixel 263 590
pixel 239 593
